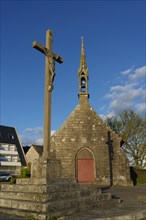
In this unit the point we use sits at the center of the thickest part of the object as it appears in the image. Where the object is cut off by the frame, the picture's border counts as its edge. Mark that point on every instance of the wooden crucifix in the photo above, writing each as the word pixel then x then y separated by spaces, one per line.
pixel 49 79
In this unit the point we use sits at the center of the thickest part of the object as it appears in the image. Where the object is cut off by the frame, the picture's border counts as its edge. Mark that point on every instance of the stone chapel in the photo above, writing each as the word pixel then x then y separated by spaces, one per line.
pixel 88 149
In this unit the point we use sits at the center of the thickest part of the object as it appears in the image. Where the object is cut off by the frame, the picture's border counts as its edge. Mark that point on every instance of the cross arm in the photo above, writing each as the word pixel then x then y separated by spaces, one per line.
pixel 57 58
pixel 45 51
pixel 39 47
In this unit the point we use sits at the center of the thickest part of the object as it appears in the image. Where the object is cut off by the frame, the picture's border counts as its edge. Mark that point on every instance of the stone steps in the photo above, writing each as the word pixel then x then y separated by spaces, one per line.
pixel 30 202
pixel 38 194
pixel 42 188
pixel 23 205
pixel 25 213
pixel 77 202
pixel 58 209
pixel 38 215
pixel 50 200
pixel 23 196
pixel 23 188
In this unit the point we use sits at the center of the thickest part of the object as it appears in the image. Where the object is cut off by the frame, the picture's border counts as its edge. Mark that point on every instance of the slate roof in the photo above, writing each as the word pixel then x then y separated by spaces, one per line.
pixel 8 135
pixel 26 149
pixel 38 148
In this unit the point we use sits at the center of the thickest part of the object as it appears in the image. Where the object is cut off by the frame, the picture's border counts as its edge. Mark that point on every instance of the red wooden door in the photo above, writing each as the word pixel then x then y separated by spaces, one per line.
pixel 85 170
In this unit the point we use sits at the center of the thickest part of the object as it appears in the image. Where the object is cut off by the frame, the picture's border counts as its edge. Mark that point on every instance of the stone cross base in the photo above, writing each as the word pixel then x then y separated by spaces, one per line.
pixel 48 169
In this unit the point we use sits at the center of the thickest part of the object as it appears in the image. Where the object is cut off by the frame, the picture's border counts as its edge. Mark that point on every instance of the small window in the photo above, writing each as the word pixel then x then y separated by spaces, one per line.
pixel 8 158
pixel 2 158
pixel 14 158
pixel 11 136
pixel 4 147
pixel 12 147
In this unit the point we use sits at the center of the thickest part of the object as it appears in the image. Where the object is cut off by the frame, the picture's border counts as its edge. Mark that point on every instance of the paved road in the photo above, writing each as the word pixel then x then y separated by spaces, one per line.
pixel 128 203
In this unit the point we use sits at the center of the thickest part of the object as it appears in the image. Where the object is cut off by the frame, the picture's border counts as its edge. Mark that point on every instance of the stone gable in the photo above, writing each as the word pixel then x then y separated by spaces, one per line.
pixel 84 131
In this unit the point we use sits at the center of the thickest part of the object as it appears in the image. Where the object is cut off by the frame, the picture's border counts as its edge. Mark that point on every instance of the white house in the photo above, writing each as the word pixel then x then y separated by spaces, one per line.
pixel 11 152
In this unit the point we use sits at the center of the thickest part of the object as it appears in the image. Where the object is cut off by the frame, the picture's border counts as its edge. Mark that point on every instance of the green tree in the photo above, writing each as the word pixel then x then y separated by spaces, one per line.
pixel 131 127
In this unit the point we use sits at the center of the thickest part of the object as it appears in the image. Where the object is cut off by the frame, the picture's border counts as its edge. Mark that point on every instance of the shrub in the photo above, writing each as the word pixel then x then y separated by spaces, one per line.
pixel 25 172
pixel 141 180
pixel 13 180
pixel 138 175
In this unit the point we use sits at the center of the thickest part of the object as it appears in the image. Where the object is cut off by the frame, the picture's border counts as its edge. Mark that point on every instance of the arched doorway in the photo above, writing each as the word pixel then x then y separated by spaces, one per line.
pixel 85 166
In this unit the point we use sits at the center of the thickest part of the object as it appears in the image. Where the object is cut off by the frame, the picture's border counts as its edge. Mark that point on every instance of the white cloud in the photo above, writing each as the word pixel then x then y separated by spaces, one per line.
pixel 138 73
pixel 141 108
pixel 126 72
pixel 39 141
pixel 108 115
pixel 134 74
pixel 129 94
pixel 32 136
pixel 121 88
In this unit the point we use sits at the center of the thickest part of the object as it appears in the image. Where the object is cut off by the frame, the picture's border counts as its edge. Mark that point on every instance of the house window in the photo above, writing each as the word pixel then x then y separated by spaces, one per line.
pixel 1 147
pixel 4 147
pixel 12 147
pixel 14 159
pixel 3 158
pixel 8 158
pixel 11 136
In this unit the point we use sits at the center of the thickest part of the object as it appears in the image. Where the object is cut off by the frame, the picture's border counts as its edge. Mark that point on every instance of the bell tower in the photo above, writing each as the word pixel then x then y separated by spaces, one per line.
pixel 83 75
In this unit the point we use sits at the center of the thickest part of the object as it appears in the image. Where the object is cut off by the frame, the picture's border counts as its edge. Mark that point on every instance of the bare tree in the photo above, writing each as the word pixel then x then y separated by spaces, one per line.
pixel 131 128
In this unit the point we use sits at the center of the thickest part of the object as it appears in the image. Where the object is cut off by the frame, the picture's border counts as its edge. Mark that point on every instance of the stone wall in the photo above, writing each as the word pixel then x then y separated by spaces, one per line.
pixel 83 129
pixel 32 155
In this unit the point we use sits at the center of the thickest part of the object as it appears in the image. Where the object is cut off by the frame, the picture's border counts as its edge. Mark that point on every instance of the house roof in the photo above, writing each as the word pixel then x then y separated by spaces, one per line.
pixel 8 135
pixel 38 148
pixel 26 148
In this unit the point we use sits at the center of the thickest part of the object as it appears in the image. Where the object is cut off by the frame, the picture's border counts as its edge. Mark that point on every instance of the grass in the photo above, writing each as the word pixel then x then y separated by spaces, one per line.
pixel 141 181
pixel 53 218
pixel 30 216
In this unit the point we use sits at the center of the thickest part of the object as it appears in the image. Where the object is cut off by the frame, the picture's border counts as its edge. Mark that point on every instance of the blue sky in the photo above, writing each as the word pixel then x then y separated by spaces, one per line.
pixel 114 37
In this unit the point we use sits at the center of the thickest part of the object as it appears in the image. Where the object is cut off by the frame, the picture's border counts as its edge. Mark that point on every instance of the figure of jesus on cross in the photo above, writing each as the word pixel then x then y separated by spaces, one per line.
pixel 49 79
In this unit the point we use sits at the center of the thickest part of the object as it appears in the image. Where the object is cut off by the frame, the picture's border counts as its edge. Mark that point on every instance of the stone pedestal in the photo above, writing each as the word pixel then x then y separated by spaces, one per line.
pixel 46 168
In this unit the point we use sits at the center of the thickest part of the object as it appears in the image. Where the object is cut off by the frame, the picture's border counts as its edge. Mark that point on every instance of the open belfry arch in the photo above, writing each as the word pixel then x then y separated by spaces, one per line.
pixel 84 132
